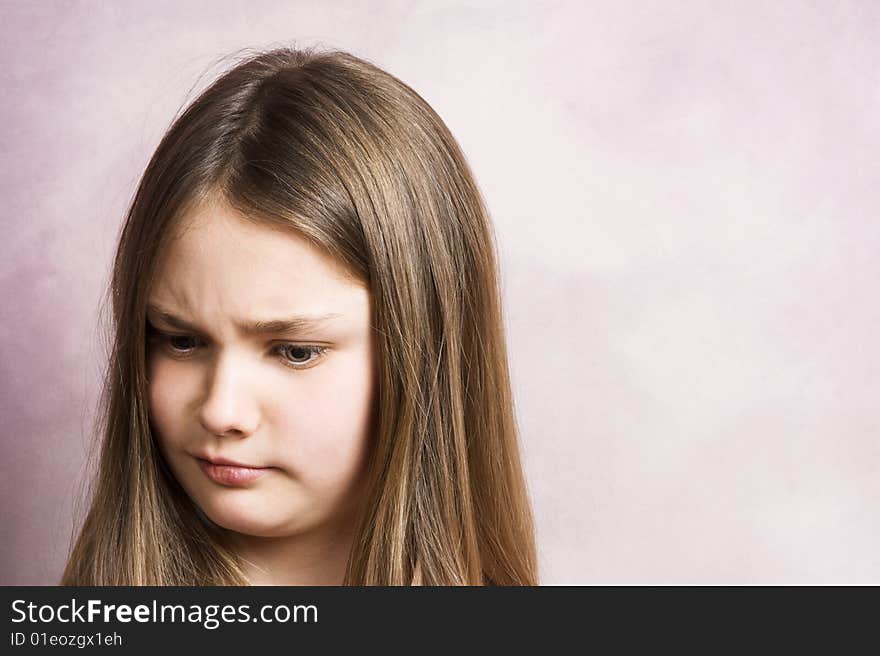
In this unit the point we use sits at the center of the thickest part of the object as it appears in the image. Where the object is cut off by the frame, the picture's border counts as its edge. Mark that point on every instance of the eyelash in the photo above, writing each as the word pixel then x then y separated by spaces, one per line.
pixel 164 339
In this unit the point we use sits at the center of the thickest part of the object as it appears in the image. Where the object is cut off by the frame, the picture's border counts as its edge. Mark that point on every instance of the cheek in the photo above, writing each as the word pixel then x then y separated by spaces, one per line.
pixel 166 391
pixel 328 431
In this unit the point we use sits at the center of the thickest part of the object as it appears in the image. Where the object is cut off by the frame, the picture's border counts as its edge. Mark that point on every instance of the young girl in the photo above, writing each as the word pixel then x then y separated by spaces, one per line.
pixel 308 381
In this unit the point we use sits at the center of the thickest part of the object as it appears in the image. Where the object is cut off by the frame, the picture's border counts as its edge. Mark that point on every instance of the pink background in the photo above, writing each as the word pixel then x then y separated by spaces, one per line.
pixel 687 201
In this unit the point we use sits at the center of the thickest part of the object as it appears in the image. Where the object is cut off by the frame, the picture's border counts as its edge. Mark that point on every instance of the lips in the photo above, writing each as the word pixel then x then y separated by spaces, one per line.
pixel 227 472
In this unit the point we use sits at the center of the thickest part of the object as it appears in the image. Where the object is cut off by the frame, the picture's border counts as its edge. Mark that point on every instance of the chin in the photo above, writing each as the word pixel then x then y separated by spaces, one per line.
pixel 244 518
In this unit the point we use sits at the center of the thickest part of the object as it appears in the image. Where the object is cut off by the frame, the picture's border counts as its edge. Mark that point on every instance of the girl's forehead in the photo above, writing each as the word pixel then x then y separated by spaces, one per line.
pixel 222 265
pixel 217 239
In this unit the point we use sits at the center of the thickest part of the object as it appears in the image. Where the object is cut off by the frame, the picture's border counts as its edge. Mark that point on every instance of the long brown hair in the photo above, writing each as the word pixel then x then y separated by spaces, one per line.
pixel 357 163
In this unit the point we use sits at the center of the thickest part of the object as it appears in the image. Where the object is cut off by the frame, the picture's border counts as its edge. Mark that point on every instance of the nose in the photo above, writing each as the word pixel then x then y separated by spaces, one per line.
pixel 229 408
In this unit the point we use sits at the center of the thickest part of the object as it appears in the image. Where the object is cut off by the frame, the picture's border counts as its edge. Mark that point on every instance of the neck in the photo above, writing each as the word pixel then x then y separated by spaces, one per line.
pixel 315 558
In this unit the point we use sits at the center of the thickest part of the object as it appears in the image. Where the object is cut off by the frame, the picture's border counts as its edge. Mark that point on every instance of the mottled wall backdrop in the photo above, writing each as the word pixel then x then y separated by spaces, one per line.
pixel 687 203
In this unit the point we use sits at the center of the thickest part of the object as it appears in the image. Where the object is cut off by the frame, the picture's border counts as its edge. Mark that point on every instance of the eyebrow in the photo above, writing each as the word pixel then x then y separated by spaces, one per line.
pixel 268 327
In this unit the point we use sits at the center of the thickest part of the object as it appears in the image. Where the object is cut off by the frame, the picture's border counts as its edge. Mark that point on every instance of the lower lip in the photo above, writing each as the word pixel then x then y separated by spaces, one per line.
pixel 230 475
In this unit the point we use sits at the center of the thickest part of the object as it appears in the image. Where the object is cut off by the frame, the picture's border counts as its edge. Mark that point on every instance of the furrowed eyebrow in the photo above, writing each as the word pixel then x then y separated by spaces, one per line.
pixel 270 327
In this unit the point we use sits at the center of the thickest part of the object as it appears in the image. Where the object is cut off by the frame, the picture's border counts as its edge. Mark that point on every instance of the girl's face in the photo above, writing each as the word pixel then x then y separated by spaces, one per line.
pixel 242 371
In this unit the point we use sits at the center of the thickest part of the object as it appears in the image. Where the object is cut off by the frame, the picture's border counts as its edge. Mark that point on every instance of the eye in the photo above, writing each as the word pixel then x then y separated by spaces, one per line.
pixel 180 343
pixel 296 351
pixel 295 356
pixel 179 346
